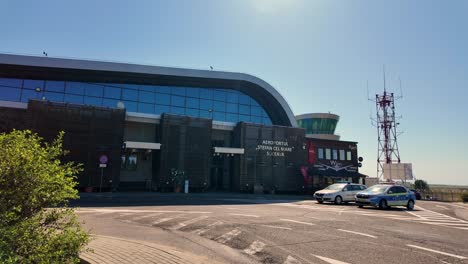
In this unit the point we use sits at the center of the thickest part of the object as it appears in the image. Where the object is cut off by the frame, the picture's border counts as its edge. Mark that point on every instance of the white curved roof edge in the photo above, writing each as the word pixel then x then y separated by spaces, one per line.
pixel 318 115
pixel 145 69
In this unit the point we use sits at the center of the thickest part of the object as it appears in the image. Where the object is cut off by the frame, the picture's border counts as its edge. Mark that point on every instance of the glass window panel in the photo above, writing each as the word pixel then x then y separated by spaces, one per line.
pixel 30 94
pixel 244 99
pixel 178 90
pixel 10 94
pixel 192 92
pixel 55 97
pixel 96 101
pixel 75 88
pixel 110 103
pixel 163 99
pixel 146 97
pixel 233 98
pixel 219 95
pixel 11 82
pixel 257 111
pixel 253 102
pixel 147 88
pixel 219 106
pixel 205 114
pixel 206 104
pixel 74 99
pixel 177 110
pixel 177 100
pixel 159 109
pixel 244 118
pixel 256 119
pixel 129 94
pixel 146 108
pixel 55 86
pixel 232 118
pixel 320 153
pixel 112 92
pixel 94 90
pixel 192 112
pixel 342 154
pixel 130 106
pixel 33 84
pixel 206 93
pixel 193 103
pixel 232 108
pixel 335 154
pixel 163 89
pixel 328 154
pixel 219 116
pixel 348 155
pixel 244 109
pixel 266 121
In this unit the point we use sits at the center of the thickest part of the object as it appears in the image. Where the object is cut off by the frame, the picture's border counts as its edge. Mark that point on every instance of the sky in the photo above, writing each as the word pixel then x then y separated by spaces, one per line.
pixel 319 54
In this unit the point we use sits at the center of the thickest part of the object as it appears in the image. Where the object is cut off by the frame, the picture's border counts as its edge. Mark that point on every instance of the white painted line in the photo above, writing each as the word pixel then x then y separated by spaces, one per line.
pixel 207 228
pixel 441 206
pixel 291 260
pixel 144 216
pixel 447 224
pixel 162 220
pixel 188 222
pixel 278 227
pixel 246 215
pixel 228 236
pixel 255 247
pixel 297 222
pixel 329 260
pixel 436 251
pixel 357 233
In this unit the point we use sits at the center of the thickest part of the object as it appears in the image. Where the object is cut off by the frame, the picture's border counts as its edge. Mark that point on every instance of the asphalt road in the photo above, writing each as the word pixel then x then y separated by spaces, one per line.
pixel 283 229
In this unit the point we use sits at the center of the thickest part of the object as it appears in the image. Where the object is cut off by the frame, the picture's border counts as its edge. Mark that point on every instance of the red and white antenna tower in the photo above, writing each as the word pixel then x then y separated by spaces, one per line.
pixel 386 123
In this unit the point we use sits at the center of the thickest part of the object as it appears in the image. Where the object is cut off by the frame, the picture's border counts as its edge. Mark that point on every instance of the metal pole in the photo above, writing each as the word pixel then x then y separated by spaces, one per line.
pixel 100 184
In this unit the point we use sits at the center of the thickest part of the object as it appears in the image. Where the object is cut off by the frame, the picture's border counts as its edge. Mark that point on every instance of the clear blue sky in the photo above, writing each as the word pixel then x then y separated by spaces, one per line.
pixel 318 54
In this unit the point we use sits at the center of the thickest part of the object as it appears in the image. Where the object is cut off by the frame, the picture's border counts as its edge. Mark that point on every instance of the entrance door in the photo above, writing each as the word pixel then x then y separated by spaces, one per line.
pixel 216 179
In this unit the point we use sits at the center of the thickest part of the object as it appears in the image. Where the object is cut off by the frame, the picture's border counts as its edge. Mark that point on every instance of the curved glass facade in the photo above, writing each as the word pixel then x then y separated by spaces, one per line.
pixel 217 104
pixel 318 125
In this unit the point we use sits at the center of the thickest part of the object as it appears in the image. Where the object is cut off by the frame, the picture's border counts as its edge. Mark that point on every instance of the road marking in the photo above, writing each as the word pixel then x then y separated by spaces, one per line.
pixel 207 228
pixel 188 222
pixel 246 215
pixel 329 260
pixel 142 211
pixel 143 217
pixel 279 227
pixel 447 224
pixel 255 247
pixel 162 220
pixel 357 233
pixel 291 260
pixel 228 236
pixel 441 206
pixel 297 222
pixel 436 251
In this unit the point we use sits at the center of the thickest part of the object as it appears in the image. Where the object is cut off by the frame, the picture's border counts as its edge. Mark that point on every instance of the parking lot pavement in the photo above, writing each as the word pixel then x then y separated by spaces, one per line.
pixel 281 231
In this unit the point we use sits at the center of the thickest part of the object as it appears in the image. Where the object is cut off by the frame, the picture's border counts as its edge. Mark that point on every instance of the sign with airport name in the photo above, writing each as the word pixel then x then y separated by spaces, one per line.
pixel 276 148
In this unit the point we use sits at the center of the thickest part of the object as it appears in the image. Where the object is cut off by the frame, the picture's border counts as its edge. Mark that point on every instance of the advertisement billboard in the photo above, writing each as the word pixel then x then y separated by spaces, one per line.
pixel 398 171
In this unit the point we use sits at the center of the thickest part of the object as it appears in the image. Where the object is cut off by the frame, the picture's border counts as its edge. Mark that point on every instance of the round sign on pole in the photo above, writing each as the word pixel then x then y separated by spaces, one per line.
pixel 103 159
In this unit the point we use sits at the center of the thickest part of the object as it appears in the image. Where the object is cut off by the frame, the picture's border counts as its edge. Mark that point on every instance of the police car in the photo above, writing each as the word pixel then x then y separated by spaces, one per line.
pixel 384 196
pixel 339 193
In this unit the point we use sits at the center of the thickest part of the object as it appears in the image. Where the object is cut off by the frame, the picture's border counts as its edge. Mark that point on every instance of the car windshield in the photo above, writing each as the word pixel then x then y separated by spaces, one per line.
pixel 377 188
pixel 335 187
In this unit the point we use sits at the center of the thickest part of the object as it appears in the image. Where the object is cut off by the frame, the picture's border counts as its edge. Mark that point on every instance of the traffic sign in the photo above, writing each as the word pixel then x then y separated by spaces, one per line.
pixel 103 159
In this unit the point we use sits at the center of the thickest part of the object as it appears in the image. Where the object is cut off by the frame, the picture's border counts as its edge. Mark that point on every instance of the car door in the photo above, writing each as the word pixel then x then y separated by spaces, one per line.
pixel 403 196
pixel 392 196
pixel 354 190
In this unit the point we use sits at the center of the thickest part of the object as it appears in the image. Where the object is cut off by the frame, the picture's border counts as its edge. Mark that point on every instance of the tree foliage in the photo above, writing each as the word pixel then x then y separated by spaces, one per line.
pixel 421 185
pixel 35 185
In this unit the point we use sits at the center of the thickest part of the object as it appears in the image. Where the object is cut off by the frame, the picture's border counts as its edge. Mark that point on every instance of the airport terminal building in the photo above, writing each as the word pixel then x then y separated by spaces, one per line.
pixel 155 127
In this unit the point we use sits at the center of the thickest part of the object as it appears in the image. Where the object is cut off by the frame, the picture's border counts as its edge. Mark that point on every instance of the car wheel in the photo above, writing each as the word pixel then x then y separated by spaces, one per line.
pixel 410 205
pixel 320 202
pixel 383 204
pixel 338 200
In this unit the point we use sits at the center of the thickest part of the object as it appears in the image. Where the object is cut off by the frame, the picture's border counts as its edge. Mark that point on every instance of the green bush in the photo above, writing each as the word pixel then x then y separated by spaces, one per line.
pixel 36 226
pixel 464 196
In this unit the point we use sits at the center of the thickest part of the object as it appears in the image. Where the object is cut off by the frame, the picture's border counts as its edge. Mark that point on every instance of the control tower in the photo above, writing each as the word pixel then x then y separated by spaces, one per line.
pixel 319 125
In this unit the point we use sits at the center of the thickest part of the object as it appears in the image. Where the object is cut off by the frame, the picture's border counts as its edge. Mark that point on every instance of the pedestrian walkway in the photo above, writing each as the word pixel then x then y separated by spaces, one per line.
pixel 114 250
